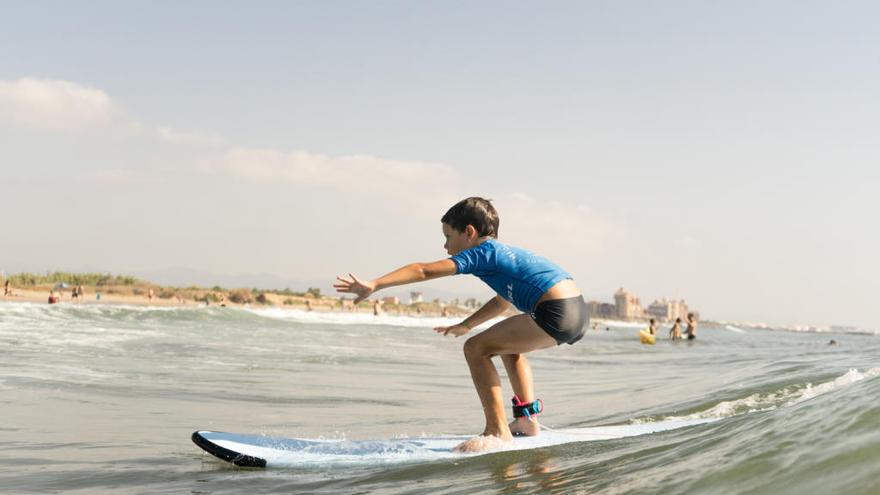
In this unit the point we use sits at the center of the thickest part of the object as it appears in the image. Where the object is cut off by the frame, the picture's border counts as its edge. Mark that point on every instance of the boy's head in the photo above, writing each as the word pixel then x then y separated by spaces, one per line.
pixel 652 321
pixel 476 212
pixel 467 222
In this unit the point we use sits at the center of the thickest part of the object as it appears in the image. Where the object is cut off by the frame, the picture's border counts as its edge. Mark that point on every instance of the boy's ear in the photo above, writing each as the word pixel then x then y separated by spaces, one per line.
pixel 470 231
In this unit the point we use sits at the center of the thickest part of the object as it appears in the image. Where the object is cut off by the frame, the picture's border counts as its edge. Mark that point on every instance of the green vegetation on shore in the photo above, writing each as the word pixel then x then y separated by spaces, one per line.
pixel 124 285
pixel 28 280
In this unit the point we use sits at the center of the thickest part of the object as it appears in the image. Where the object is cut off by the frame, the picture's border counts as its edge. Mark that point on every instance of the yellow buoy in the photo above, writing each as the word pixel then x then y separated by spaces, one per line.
pixel 645 337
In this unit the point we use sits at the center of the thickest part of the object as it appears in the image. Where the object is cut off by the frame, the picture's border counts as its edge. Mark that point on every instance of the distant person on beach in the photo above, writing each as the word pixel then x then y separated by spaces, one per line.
pixel 675 331
pixel 82 293
pixel 377 307
pixel 553 313
pixel 652 326
pixel 7 290
pixel 150 295
pixel 692 327
pixel 53 299
pixel 308 304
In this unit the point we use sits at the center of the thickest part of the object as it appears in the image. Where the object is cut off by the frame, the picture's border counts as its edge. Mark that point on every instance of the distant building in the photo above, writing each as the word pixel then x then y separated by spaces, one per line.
pixel 602 310
pixel 628 306
pixel 661 310
pixel 668 310
pixel 391 300
pixel 415 297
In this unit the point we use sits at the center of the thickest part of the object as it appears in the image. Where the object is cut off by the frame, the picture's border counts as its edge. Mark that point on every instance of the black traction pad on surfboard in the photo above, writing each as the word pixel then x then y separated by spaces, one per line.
pixel 226 454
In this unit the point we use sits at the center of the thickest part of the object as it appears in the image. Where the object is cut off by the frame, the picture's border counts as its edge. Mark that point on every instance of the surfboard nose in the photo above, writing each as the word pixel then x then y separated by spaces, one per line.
pixel 200 438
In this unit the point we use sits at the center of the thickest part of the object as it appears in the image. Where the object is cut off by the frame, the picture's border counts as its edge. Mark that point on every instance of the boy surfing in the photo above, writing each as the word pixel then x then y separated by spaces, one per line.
pixel 553 313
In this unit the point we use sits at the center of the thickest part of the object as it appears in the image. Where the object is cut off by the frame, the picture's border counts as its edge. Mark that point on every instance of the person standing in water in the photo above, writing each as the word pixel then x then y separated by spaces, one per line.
pixel 675 331
pixel 652 326
pixel 553 313
pixel 691 331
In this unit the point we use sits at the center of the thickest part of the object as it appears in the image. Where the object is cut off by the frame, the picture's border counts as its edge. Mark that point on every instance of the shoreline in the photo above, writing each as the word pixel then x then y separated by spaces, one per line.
pixel 273 300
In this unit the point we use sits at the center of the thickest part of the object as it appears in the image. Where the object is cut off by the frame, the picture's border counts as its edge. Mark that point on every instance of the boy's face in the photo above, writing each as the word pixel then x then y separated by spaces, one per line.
pixel 457 241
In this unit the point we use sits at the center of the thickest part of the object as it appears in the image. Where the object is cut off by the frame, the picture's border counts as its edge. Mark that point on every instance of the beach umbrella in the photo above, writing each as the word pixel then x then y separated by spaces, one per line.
pixel 61 285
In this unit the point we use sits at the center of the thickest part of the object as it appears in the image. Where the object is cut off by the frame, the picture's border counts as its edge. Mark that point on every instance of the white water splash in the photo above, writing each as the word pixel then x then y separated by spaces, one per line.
pixel 339 318
pixel 767 401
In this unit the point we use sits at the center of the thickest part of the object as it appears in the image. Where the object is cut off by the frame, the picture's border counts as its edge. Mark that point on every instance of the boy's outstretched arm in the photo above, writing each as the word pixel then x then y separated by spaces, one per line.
pixel 413 272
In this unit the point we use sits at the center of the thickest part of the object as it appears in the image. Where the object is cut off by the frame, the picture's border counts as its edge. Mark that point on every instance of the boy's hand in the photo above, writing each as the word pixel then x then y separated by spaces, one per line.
pixel 354 286
pixel 455 330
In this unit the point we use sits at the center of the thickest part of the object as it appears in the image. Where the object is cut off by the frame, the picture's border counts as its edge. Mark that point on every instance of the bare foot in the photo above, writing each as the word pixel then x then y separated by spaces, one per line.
pixel 483 443
pixel 525 427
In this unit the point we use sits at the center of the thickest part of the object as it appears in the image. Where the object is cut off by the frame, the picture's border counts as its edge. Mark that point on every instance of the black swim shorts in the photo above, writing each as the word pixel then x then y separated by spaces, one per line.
pixel 563 319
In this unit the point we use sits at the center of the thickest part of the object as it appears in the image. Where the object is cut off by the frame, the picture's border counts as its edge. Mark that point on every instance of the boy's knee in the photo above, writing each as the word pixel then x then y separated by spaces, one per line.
pixel 473 348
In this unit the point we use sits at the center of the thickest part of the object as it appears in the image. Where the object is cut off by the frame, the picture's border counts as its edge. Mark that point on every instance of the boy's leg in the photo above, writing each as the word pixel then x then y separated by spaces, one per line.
pixel 515 335
pixel 519 371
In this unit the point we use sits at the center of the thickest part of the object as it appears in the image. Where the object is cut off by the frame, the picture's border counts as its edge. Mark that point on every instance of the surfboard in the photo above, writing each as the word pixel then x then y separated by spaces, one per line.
pixel 248 450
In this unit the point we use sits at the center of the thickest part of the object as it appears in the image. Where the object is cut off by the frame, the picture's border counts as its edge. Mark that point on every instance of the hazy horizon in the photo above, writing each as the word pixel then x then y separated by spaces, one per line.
pixel 719 152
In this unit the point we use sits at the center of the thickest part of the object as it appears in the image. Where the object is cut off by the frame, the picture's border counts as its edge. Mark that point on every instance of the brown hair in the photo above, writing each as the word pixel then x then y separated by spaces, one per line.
pixel 474 211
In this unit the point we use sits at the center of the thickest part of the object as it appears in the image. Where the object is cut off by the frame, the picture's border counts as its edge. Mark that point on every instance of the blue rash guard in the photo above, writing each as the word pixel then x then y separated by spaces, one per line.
pixel 515 274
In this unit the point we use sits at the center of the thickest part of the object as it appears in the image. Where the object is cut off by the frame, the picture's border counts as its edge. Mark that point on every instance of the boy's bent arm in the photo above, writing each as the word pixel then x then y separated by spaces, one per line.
pixel 491 309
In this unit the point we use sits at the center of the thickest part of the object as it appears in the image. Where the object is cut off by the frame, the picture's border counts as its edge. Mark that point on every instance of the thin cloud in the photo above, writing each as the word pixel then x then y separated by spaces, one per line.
pixel 61 106
pixel 570 230
pixel 67 107
pixel 361 174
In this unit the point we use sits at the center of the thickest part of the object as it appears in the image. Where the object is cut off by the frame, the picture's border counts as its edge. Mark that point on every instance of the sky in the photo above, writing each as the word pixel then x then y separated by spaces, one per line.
pixel 720 152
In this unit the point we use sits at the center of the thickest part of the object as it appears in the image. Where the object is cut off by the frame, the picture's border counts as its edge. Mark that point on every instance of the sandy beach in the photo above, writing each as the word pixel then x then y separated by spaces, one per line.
pixel 194 298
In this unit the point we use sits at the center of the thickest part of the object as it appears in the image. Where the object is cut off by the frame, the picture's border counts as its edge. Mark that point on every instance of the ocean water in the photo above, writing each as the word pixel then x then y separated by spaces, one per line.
pixel 103 399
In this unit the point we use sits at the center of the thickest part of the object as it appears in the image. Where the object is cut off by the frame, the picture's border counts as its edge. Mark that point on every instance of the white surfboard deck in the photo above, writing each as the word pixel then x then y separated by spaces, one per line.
pixel 265 451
